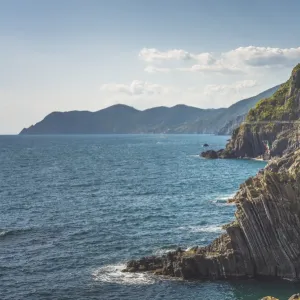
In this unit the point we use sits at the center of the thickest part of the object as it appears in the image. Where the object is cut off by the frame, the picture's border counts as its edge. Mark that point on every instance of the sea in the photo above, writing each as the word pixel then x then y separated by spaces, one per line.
pixel 74 209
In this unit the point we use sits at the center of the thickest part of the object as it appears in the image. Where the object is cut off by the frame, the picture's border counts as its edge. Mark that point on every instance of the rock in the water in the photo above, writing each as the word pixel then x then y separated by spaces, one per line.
pixel 212 154
pixel 151 263
pixel 295 297
pixel 205 145
pixel 269 298
pixel 263 241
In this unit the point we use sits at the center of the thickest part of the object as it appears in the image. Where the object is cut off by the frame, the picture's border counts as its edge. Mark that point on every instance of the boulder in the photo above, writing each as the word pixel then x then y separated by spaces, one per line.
pixel 212 154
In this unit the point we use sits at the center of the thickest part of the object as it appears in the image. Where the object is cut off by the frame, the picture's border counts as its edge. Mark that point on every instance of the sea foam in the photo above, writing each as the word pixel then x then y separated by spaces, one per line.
pixel 114 274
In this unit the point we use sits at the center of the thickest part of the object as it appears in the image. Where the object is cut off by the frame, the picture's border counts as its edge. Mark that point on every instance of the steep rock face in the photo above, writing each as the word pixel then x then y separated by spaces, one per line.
pixel 264 239
pixel 275 120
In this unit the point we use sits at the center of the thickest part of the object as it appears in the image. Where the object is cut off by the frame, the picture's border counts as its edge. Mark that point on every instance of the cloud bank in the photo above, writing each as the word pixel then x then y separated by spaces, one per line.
pixel 233 61
pixel 136 87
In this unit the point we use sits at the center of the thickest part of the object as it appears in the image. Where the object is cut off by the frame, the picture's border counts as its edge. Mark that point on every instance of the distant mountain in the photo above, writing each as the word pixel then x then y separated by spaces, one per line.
pixel 125 119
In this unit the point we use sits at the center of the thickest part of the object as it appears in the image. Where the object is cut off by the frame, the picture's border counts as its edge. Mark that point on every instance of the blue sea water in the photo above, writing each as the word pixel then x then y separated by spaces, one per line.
pixel 74 209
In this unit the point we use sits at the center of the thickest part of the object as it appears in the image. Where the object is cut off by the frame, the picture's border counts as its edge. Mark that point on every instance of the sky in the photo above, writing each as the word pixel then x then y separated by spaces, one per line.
pixel 89 54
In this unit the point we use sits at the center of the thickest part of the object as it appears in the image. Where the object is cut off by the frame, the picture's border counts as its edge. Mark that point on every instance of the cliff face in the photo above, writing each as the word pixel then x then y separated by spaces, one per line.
pixel 264 239
pixel 274 119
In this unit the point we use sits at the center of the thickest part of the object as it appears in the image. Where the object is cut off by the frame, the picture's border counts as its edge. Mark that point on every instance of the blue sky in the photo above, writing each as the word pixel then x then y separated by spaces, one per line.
pixel 86 55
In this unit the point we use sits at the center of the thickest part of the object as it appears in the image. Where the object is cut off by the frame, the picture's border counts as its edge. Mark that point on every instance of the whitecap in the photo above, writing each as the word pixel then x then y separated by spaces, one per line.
pixel 114 274
pixel 208 228
pixel 161 252
pixel 225 197
pixel 221 200
pixel 201 228
pixel 4 232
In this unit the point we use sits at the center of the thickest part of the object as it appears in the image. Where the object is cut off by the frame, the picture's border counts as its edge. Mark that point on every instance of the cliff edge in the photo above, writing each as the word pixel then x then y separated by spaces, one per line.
pixel 273 123
pixel 263 241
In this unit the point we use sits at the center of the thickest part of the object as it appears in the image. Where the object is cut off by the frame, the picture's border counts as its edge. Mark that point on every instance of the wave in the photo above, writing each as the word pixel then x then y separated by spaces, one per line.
pixel 114 274
pixel 4 232
pixel 221 200
pixel 10 232
pixel 207 228
pixel 225 197
pixel 162 251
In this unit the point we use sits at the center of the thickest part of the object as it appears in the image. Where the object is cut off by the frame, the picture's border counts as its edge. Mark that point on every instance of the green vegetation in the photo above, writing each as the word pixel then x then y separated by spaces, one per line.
pixel 296 69
pixel 280 106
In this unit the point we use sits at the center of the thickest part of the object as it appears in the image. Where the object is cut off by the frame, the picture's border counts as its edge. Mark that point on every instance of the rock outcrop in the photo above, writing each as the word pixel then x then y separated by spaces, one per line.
pixel 212 154
pixel 293 297
pixel 263 241
pixel 274 120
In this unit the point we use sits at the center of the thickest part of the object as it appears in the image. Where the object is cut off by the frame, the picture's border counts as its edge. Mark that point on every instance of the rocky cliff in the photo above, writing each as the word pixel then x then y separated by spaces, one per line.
pixel 263 241
pixel 274 120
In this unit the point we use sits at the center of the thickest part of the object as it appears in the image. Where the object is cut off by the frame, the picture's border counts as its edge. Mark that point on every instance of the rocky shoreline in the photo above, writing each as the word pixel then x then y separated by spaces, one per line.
pixel 262 242
pixel 273 123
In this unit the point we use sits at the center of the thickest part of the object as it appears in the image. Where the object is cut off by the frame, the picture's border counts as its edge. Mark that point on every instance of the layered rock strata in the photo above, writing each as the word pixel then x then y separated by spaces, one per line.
pixel 263 241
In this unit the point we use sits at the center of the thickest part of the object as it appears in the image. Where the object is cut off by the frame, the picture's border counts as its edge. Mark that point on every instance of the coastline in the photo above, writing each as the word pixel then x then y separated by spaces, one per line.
pixel 251 246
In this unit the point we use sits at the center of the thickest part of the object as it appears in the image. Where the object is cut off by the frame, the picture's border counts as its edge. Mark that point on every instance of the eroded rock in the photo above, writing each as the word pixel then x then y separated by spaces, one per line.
pixel 212 154
pixel 263 241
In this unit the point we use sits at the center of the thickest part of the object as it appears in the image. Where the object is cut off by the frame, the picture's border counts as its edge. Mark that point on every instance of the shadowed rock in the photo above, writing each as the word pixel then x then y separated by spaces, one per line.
pixel 272 120
pixel 210 154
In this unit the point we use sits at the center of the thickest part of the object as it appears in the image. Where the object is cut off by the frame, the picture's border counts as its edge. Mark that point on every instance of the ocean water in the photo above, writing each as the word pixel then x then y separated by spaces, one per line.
pixel 74 209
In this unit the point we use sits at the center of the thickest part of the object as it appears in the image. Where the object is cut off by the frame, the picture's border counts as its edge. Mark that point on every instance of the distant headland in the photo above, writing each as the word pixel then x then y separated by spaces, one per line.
pixel 122 119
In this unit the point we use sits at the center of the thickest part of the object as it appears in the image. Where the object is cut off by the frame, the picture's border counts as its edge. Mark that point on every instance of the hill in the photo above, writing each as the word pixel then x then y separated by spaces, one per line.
pixel 125 119
pixel 237 112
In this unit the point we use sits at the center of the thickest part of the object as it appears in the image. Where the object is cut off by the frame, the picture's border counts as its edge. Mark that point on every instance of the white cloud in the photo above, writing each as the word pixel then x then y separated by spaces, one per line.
pixel 229 88
pixel 215 68
pixel 237 60
pixel 137 87
pixel 263 56
pixel 153 69
pixel 152 55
